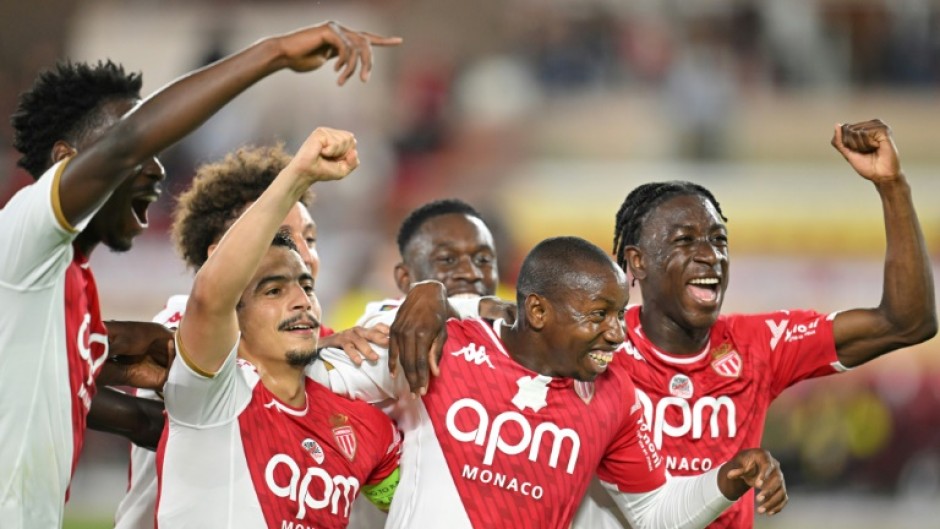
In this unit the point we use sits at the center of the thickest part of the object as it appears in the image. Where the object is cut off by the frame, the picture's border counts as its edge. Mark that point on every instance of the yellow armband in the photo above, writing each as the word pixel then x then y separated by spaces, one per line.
pixel 380 494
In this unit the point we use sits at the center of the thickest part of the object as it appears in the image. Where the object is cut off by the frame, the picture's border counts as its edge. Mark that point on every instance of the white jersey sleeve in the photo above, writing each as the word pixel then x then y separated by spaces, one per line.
pixel 681 503
pixel 372 382
pixel 35 236
pixel 199 401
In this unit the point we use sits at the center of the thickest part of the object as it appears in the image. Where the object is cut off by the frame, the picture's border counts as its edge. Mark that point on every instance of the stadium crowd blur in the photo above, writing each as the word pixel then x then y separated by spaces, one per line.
pixel 544 114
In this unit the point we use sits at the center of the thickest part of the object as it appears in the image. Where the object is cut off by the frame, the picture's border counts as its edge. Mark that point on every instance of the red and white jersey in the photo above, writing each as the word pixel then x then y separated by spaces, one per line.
pixel 235 456
pixel 703 409
pixel 52 345
pixel 137 508
pixel 493 444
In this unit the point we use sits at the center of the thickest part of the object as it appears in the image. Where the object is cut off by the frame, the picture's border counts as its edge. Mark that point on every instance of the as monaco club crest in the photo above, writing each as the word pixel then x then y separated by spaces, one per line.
pixel 344 435
pixel 727 362
pixel 585 390
pixel 313 448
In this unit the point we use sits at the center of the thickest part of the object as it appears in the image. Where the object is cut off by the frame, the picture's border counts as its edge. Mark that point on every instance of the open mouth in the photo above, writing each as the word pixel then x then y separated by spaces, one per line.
pixel 300 327
pixel 139 206
pixel 704 289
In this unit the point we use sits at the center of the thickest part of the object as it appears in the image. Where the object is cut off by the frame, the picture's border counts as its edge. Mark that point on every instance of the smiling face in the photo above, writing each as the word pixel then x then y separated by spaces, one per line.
pixel 278 314
pixel 124 216
pixel 584 321
pixel 455 249
pixel 681 262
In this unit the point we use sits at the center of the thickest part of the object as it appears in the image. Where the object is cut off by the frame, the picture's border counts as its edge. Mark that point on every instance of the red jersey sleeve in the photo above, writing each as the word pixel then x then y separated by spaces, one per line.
pixel 798 343
pixel 632 461
pixel 391 439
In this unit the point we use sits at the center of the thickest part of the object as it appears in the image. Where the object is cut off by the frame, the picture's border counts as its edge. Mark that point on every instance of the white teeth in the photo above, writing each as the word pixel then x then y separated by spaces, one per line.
pixel 710 281
pixel 602 358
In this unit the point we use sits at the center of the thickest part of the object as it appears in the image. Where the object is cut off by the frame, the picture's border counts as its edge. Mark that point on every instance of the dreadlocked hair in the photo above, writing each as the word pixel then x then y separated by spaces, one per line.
pixel 641 201
pixel 219 194
pixel 65 103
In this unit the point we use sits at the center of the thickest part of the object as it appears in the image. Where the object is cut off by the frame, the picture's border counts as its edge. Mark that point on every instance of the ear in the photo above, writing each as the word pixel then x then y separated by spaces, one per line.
pixel 62 150
pixel 536 311
pixel 211 249
pixel 635 262
pixel 402 278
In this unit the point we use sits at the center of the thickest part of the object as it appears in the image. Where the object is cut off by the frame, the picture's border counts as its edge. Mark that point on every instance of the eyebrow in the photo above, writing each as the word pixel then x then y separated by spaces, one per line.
pixel 264 281
pixel 281 278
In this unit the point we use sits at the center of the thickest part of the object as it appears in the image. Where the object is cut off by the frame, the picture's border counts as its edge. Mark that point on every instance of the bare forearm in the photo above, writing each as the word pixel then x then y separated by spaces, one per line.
pixel 161 120
pixel 137 419
pixel 908 297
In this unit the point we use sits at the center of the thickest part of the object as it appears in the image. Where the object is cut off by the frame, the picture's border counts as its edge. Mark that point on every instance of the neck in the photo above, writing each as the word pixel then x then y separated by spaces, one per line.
pixel 86 243
pixel 527 349
pixel 286 382
pixel 669 336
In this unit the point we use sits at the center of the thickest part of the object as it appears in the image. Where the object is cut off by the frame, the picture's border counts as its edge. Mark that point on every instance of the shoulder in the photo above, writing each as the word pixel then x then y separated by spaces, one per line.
pixel 357 409
pixel 379 312
pixel 172 312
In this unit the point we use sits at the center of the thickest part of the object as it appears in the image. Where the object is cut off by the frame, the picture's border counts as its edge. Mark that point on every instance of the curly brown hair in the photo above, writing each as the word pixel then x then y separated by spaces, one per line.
pixel 219 194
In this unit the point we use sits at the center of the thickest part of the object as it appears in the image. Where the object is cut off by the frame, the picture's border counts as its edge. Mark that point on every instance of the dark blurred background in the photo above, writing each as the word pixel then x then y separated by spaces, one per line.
pixel 544 114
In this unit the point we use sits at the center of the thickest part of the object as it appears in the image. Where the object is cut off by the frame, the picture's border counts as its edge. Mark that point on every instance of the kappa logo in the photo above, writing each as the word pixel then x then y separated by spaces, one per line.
pixel 475 355
pixel 314 449
pixel 344 435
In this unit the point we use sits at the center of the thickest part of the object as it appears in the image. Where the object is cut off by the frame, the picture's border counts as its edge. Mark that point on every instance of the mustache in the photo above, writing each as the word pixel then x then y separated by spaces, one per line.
pixel 305 317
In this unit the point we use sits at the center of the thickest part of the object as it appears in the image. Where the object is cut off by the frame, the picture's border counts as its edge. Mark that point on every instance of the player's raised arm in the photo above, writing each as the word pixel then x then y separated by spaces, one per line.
pixel 183 105
pixel 907 312
pixel 210 327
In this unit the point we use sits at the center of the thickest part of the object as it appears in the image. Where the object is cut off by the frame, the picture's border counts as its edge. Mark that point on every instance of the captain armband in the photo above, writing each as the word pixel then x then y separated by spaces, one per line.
pixel 380 494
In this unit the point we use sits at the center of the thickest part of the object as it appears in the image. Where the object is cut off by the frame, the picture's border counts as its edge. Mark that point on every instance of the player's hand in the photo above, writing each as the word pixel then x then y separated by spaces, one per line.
pixel 870 150
pixel 493 308
pixel 309 48
pixel 417 335
pixel 139 355
pixel 755 467
pixel 355 342
pixel 327 154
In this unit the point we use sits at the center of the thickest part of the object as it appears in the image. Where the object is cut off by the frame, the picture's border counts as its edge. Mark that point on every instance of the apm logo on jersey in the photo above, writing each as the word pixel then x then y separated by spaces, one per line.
pixel 510 433
pixel 313 488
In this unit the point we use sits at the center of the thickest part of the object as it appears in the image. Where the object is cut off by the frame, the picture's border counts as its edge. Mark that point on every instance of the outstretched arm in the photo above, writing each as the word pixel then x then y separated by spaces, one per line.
pixel 210 325
pixel 183 105
pixel 138 419
pixel 907 312
pixel 694 501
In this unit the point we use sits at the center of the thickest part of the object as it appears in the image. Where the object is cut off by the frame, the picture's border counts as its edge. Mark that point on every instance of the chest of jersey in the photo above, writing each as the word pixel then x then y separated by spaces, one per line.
pixel 306 465
pixel 517 444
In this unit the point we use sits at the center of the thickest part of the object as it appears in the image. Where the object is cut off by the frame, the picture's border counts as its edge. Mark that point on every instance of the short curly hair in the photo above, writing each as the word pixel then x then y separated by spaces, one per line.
pixel 417 218
pixel 219 194
pixel 65 103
